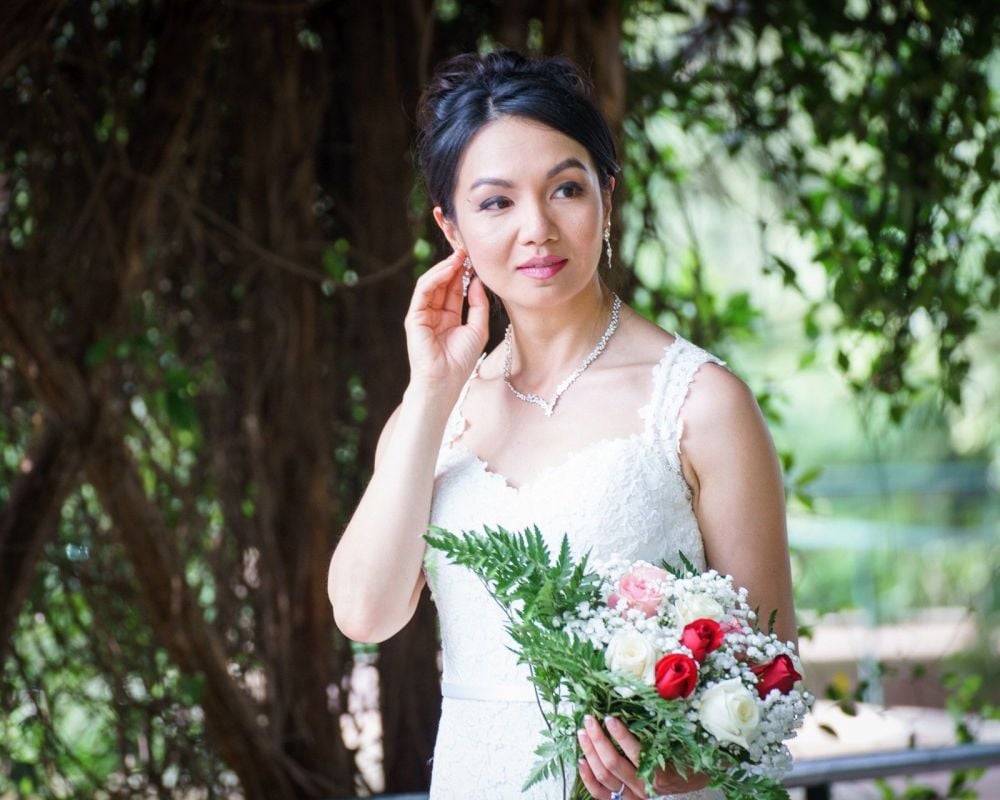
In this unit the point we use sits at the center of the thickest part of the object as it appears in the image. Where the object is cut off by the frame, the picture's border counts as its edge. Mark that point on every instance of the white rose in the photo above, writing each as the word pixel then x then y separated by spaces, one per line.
pixel 729 712
pixel 695 605
pixel 630 653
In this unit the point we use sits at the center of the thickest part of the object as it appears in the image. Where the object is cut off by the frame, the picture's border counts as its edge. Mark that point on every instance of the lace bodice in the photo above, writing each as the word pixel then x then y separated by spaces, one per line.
pixel 624 496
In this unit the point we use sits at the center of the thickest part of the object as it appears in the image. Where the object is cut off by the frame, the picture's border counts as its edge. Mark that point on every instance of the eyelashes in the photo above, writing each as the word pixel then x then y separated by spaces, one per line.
pixel 494 204
pixel 499 202
pixel 576 188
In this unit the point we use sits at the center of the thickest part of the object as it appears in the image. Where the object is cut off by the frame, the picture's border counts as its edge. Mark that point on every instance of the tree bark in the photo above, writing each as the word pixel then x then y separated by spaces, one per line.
pixel 386 57
pixel 297 751
pixel 590 33
pixel 280 396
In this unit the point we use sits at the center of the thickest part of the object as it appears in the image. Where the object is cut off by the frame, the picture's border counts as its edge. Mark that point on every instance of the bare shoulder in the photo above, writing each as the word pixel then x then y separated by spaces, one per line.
pixel 718 396
pixel 723 431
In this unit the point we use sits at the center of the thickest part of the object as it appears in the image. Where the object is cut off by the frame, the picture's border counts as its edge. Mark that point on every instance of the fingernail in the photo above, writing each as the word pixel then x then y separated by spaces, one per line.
pixel 582 735
pixel 610 721
pixel 588 721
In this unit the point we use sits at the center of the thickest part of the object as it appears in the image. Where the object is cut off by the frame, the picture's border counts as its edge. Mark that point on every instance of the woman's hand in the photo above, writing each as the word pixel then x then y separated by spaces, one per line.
pixel 603 769
pixel 443 351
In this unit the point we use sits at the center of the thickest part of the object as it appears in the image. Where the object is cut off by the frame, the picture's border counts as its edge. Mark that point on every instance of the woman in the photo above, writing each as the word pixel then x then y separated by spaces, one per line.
pixel 588 420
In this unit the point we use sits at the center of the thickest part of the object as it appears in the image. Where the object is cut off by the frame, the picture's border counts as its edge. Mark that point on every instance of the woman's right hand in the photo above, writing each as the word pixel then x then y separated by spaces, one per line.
pixel 442 351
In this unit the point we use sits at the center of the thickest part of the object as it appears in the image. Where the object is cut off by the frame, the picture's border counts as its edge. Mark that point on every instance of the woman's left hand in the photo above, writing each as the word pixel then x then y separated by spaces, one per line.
pixel 603 769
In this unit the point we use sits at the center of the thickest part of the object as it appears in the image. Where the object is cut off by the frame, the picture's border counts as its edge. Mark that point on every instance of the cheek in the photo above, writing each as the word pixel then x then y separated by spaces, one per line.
pixel 494 235
pixel 585 224
pixel 489 240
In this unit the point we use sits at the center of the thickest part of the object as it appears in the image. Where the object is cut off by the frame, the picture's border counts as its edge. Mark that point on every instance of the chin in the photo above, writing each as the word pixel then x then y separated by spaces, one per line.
pixel 548 294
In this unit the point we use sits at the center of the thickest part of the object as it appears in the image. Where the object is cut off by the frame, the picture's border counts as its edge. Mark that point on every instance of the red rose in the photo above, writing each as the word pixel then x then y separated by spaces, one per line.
pixel 676 676
pixel 701 637
pixel 780 674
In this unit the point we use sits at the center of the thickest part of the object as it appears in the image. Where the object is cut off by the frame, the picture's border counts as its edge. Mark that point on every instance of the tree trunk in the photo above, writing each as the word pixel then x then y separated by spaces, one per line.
pixel 387 46
pixel 278 409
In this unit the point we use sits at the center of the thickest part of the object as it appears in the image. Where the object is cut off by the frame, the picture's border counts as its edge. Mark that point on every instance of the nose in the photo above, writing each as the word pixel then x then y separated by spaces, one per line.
pixel 537 225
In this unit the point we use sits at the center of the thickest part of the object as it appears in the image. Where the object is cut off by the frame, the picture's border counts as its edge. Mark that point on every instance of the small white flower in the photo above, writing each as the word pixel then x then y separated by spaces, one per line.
pixel 799 685
pixel 729 712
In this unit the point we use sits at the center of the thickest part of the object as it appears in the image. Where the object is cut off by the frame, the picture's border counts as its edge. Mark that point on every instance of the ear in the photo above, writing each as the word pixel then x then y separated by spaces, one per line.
pixel 606 199
pixel 449 229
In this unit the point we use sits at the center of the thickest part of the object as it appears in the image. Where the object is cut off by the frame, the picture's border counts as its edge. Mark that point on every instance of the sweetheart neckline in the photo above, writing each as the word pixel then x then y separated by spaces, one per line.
pixel 643 413
pixel 565 461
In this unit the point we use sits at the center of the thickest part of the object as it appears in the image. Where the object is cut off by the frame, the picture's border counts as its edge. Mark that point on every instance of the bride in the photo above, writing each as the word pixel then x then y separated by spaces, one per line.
pixel 587 420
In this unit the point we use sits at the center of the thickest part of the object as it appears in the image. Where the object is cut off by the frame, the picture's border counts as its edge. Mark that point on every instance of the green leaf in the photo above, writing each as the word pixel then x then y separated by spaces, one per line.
pixel 98 352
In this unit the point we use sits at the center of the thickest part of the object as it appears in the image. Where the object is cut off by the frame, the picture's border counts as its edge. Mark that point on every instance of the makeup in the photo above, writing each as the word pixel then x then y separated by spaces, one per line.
pixel 542 268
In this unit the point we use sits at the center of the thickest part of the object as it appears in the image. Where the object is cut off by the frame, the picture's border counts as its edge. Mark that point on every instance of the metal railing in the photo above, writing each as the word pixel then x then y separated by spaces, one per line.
pixel 818 775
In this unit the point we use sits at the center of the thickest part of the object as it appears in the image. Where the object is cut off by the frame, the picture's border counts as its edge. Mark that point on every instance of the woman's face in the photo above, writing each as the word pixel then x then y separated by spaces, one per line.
pixel 529 211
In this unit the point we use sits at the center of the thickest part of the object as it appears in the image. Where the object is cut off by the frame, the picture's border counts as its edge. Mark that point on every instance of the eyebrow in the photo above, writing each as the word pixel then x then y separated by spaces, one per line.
pixel 566 163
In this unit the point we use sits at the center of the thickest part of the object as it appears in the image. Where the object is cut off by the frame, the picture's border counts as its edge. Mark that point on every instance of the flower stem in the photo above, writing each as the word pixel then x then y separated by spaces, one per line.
pixel 579 791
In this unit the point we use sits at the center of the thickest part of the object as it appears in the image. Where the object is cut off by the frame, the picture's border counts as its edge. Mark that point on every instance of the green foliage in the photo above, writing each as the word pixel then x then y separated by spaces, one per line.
pixel 91 703
pixel 828 579
pixel 877 125
pixel 517 568
pixel 964 702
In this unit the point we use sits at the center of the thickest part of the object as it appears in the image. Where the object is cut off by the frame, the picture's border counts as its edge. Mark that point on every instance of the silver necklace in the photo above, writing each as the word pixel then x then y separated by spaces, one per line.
pixel 548 406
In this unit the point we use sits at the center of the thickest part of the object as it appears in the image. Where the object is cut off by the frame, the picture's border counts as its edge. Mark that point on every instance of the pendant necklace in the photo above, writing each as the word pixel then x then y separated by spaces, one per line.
pixel 548 406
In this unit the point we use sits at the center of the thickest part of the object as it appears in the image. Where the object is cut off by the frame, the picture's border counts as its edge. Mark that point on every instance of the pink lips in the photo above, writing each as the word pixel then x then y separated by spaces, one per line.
pixel 542 268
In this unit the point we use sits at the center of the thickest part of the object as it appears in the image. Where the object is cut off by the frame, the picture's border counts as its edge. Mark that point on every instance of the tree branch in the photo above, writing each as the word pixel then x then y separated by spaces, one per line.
pixel 31 517
pixel 23 26
pixel 173 611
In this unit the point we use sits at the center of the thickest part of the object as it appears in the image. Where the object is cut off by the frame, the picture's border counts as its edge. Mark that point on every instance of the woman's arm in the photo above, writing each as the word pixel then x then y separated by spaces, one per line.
pixel 738 495
pixel 375 578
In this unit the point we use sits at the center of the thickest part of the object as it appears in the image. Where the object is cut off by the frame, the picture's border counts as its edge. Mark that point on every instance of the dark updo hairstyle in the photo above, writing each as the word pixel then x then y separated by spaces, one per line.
pixel 470 90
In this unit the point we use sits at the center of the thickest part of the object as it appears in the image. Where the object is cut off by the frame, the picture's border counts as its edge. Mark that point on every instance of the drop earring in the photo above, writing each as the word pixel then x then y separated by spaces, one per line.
pixel 607 241
pixel 466 276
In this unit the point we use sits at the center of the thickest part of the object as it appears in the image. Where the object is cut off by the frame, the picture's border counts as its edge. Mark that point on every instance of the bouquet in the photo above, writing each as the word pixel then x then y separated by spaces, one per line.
pixel 675 654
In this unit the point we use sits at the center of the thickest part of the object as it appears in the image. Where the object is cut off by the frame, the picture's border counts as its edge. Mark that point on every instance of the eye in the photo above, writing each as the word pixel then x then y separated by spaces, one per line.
pixel 571 189
pixel 494 203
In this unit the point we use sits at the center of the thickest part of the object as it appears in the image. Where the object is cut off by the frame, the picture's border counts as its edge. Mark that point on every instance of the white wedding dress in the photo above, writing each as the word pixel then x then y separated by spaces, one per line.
pixel 623 495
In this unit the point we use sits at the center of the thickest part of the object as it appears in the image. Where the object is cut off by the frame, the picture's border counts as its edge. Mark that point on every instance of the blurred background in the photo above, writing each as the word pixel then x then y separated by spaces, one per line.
pixel 210 225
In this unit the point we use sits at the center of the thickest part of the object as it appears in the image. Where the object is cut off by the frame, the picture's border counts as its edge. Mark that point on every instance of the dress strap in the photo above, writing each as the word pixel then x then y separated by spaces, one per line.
pixel 456 422
pixel 672 379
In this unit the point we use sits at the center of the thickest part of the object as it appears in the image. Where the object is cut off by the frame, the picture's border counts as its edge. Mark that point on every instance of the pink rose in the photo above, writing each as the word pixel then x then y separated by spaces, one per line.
pixel 641 588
